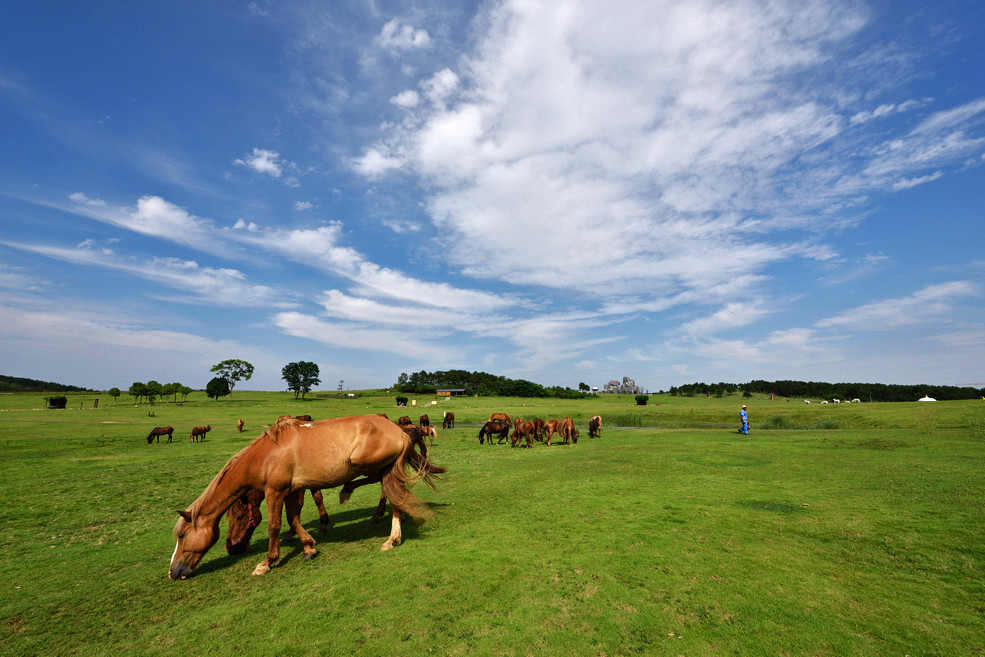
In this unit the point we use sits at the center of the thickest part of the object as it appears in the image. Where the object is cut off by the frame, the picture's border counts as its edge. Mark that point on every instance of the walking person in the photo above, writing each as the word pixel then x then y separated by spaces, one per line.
pixel 744 418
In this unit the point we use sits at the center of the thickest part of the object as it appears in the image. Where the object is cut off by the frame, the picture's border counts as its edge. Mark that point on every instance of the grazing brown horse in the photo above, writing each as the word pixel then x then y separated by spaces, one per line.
pixel 405 421
pixel 157 432
pixel 291 457
pixel 539 427
pixel 550 428
pixel 500 417
pixel 244 517
pixel 430 432
pixel 595 426
pixel 521 430
pixel 199 432
pixel 489 428
pixel 566 428
pixel 424 421
pixel 239 426
pixel 449 421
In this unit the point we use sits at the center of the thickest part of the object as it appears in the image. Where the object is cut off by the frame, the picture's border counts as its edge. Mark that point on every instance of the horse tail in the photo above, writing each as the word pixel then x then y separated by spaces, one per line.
pixel 396 482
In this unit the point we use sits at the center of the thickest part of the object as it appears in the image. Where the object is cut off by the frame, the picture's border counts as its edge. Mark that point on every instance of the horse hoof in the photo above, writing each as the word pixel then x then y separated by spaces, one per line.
pixel 262 569
pixel 309 556
pixel 386 546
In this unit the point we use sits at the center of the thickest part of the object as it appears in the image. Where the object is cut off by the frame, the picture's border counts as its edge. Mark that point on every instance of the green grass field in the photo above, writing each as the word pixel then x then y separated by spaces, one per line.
pixel 844 530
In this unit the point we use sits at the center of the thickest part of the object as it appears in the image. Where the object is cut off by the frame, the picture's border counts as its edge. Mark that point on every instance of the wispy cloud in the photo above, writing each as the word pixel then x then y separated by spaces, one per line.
pixel 397 36
pixel 930 303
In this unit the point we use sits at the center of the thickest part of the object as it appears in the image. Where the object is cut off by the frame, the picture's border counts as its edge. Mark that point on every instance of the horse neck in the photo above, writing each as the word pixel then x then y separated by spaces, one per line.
pixel 230 484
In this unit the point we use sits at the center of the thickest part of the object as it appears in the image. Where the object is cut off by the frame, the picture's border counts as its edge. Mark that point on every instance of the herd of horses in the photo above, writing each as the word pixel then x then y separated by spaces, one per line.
pixel 499 425
pixel 297 454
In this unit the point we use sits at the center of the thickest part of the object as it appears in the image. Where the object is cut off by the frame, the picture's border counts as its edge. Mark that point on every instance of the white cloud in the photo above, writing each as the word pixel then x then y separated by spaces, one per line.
pixel 79 197
pixel 263 161
pixel 907 183
pixel 397 36
pixel 303 205
pixel 406 98
pixel 933 302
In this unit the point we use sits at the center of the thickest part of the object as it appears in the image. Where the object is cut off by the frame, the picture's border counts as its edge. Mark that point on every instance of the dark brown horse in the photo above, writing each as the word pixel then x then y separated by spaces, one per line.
pixel 449 421
pixel 303 418
pixel 244 517
pixel 199 433
pixel 424 420
pixel 291 457
pixel 157 432
pixel 490 428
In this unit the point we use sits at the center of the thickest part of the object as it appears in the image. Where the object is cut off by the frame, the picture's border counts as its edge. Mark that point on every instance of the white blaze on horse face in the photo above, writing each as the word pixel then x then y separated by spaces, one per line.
pixel 173 554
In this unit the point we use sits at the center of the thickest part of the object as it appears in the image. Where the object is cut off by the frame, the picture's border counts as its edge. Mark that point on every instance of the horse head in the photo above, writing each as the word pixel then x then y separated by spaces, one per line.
pixel 244 517
pixel 194 540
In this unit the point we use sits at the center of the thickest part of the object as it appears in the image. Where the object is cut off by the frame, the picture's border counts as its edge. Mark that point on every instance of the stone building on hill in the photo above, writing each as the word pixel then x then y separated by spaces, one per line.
pixel 627 387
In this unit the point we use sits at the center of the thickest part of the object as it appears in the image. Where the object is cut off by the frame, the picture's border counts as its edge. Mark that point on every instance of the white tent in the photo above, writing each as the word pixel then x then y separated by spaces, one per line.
pixel 926 399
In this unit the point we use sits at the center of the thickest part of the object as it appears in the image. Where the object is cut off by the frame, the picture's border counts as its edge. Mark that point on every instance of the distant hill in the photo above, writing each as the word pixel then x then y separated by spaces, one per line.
pixel 17 384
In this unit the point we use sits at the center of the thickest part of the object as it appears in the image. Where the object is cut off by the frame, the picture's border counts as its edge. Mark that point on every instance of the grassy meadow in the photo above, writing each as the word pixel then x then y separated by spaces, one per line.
pixel 851 529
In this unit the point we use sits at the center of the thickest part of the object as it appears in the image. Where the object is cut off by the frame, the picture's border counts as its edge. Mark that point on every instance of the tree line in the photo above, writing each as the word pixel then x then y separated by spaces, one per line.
pixel 480 383
pixel 881 392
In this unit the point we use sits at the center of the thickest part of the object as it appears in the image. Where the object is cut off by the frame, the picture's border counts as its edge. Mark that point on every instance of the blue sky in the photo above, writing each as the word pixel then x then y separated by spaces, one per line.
pixel 675 191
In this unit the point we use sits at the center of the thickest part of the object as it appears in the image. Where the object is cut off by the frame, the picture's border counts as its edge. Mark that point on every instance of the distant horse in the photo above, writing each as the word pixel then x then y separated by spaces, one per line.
pixel 291 457
pixel 303 418
pixel 404 421
pixel 539 427
pixel 199 432
pixel 550 428
pixel 500 417
pixel 490 428
pixel 157 432
pixel 521 430
pixel 430 432
pixel 595 426
pixel 425 421
pixel 239 426
pixel 566 428
pixel 449 421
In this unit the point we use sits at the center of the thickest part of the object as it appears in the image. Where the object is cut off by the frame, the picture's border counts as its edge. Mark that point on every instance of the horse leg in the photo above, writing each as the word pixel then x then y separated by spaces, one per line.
pixel 275 505
pixel 294 502
pixel 380 509
pixel 323 523
pixel 395 535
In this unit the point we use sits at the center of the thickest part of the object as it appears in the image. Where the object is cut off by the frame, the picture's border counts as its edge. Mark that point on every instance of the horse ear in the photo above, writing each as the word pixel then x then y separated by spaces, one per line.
pixel 184 514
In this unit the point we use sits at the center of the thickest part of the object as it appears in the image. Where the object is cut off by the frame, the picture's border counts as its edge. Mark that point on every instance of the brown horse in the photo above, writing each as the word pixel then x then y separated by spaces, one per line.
pixel 539 427
pixel 550 428
pixel 157 432
pixel 199 432
pixel 291 457
pixel 244 517
pixel 239 426
pixel 430 432
pixel 521 430
pixel 424 420
pixel 500 417
pixel 449 421
pixel 566 428
pixel 595 426
pixel 303 418
pixel 489 428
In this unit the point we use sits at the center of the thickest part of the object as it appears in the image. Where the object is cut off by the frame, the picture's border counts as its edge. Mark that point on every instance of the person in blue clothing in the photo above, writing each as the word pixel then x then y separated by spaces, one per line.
pixel 744 418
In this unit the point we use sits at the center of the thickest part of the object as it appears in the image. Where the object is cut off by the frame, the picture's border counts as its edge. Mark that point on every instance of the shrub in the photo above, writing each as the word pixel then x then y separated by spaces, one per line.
pixel 401 401
pixel 57 402
pixel 641 400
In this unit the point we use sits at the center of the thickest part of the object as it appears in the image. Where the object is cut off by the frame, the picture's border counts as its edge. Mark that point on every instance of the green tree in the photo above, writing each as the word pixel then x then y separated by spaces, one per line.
pixel 114 393
pixel 583 387
pixel 301 377
pixel 217 387
pixel 137 390
pixel 154 390
pixel 233 371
